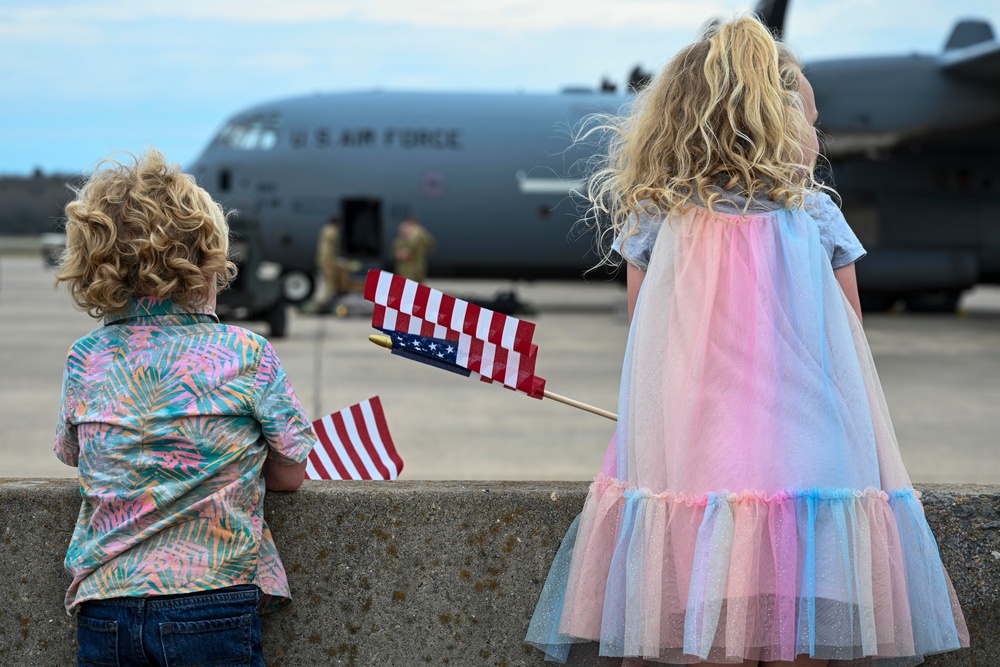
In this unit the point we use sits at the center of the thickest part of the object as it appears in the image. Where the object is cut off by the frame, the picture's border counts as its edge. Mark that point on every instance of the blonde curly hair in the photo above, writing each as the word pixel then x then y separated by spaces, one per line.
pixel 143 230
pixel 724 116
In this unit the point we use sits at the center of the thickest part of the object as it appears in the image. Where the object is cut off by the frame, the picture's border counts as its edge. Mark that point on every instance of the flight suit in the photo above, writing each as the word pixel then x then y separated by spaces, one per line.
pixel 331 266
pixel 410 249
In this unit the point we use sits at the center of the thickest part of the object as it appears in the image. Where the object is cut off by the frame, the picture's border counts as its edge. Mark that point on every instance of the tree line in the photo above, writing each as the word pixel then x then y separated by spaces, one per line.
pixel 34 204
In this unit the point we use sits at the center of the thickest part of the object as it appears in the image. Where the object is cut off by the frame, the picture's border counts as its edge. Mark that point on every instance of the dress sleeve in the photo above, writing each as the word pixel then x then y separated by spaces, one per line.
pixel 67 447
pixel 287 430
pixel 838 239
pixel 638 247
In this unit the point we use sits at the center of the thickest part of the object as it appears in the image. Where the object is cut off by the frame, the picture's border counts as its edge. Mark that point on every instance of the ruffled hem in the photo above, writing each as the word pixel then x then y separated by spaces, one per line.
pixel 846 575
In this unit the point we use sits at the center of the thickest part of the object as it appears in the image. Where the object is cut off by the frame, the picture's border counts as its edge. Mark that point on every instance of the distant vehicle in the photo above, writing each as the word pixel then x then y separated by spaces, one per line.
pixel 256 293
pixel 913 142
pixel 53 245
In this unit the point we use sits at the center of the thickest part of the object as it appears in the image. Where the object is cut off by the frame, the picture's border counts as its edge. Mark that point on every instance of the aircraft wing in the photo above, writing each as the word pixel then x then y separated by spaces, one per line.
pixel 979 62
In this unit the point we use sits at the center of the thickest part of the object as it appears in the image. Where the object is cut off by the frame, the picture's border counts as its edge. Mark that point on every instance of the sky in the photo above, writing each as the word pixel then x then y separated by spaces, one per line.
pixel 82 78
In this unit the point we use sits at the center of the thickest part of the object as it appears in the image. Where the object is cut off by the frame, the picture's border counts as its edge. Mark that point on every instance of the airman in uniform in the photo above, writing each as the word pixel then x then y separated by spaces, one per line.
pixel 412 245
pixel 331 265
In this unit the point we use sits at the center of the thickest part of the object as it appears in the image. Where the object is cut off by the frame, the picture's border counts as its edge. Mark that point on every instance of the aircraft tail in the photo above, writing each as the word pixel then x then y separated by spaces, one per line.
pixel 772 14
pixel 972 52
pixel 966 33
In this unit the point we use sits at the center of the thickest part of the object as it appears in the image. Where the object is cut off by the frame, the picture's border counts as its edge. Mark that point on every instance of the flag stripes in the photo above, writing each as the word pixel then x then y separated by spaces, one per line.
pixel 411 299
pixel 354 444
pixel 493 346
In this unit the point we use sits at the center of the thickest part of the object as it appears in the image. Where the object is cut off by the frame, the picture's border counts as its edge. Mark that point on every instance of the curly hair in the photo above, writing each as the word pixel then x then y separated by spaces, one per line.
pixel 724 116
pixel 143 230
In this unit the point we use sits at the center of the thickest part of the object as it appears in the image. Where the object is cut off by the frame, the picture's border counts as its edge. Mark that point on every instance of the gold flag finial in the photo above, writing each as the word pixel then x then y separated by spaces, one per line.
pixel 381 341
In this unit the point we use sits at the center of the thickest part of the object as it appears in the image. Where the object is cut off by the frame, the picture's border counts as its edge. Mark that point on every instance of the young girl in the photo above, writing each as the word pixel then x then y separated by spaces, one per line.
pixel 753 505
pixel 177 423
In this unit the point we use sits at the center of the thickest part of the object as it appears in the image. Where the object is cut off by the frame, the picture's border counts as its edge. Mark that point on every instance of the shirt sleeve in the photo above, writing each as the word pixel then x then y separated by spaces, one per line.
pixel 637 248
pixel 284 425
pixel 838 239
pixel 67 447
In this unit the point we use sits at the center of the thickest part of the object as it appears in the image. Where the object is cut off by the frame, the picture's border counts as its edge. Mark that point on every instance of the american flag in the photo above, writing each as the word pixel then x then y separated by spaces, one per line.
pixel 354 444
pixel 491 346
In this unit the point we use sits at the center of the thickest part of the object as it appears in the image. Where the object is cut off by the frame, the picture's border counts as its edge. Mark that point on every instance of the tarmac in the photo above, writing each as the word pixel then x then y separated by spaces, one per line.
pixel 941 376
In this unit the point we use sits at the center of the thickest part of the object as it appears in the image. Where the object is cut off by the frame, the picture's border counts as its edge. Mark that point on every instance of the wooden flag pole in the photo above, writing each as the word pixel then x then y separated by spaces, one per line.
pixel 386 342
pixel 582 406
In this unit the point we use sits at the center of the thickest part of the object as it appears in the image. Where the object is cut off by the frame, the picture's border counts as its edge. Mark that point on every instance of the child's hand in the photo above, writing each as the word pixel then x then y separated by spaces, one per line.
pixel 280 476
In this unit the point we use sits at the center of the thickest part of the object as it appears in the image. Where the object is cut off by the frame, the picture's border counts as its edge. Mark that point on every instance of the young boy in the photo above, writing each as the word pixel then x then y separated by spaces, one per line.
pixel 176 423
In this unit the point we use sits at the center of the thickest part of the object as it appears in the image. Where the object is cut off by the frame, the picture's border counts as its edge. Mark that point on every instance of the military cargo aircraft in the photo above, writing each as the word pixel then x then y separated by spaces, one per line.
pixel 913 143
pixel 489 175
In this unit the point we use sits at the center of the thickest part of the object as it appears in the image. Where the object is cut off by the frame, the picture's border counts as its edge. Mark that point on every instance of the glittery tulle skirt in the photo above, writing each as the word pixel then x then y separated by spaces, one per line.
pixel 752 504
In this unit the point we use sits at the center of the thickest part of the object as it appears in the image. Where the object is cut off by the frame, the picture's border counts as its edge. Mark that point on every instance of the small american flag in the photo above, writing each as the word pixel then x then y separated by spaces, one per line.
pixel 354 444
pixel 492 346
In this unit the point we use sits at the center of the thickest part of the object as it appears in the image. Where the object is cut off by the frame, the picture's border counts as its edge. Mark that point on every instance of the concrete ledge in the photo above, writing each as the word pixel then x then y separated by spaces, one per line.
pixel 419 573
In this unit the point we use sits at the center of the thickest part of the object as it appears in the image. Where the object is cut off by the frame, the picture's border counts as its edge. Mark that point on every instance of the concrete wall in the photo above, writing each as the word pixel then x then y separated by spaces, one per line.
pixel 419 573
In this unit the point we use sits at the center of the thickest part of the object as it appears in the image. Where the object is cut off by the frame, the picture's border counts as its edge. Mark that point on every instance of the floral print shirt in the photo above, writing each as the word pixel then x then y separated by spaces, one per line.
pixel 169 415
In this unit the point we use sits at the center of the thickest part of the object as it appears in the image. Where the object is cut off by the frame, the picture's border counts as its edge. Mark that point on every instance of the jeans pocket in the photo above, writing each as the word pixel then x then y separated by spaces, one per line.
pixel 98 642
pixel 215 642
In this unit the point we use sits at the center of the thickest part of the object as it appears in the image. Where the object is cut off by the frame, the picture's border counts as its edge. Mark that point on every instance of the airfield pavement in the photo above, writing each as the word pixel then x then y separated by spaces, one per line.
pixel 941 376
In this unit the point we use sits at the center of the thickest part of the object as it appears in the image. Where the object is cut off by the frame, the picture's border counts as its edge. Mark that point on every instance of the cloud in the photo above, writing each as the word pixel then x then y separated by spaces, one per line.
pixel 530 16
pixel 129 72
pixel 820 30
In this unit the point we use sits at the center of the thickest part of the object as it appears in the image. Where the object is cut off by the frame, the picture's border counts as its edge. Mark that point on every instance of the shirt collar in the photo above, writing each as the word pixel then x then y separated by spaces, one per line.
pixel 736 202
pixel 149 310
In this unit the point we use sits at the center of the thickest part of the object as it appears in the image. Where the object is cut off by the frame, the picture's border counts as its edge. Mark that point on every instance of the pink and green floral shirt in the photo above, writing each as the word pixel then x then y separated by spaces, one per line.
pixel 169 415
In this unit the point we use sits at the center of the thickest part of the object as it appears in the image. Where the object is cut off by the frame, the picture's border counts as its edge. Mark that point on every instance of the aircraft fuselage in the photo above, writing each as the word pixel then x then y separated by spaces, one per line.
pixel 489 176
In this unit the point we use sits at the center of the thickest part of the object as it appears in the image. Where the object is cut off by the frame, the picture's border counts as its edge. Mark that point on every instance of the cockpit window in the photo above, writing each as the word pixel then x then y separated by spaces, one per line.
pixel 250 133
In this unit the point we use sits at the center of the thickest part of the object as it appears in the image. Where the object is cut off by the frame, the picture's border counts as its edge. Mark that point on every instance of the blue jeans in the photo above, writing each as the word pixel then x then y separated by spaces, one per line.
pixel 219 627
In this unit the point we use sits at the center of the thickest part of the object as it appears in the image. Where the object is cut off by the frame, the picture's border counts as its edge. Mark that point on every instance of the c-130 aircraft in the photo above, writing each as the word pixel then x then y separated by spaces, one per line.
pixel 912 141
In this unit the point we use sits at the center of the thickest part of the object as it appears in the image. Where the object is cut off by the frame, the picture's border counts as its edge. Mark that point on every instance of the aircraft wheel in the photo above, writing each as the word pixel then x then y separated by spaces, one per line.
pixel 296 286
pixel 277 319
pixel 936 301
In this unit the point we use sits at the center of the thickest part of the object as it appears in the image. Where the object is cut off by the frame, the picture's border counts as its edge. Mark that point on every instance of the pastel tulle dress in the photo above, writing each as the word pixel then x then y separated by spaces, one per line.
pixel 753 503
